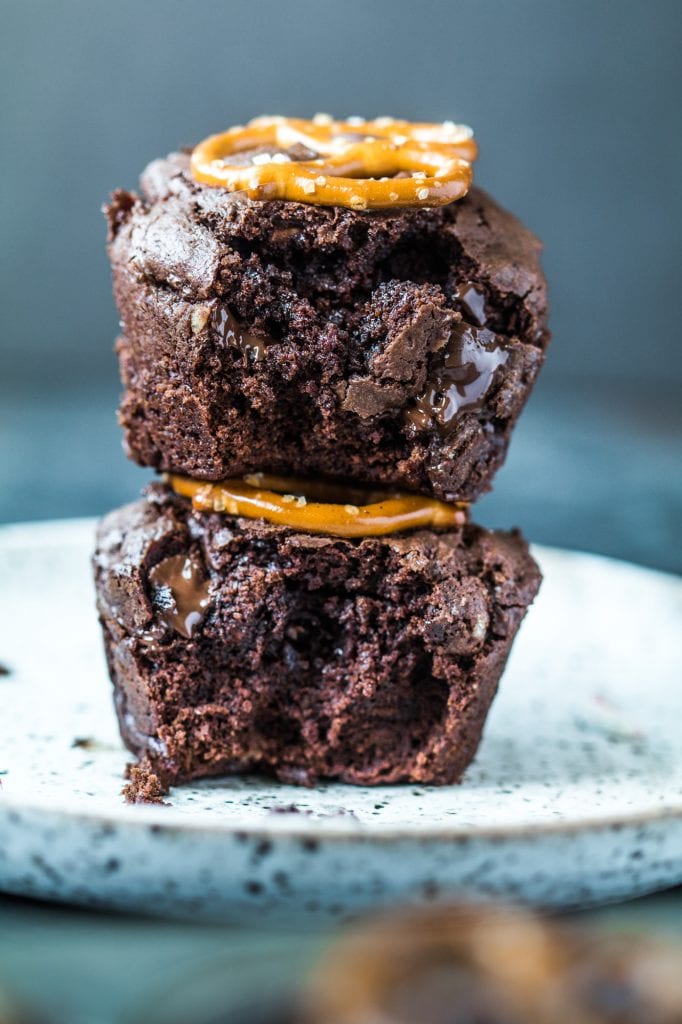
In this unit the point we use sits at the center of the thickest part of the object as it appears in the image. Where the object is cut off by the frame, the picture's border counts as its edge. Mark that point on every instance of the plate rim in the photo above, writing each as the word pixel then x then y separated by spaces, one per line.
pixel 152 817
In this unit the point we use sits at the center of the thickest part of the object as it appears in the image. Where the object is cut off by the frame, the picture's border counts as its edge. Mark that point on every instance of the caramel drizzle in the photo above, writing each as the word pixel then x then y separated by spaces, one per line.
pixel 308 506
pixel 351 163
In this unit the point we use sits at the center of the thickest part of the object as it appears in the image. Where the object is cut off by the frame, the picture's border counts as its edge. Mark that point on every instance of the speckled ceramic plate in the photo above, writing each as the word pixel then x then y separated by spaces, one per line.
pixel 575 796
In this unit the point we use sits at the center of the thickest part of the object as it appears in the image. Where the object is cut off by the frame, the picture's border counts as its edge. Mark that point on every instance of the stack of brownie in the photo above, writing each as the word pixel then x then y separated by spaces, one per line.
pixel 290 366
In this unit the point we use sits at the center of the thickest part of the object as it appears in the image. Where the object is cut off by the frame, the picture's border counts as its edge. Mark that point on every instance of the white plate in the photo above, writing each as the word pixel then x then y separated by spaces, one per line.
pixel 575 796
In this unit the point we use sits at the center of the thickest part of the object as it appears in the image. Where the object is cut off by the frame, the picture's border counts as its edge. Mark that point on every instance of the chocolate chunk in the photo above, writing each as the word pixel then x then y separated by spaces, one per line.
pixel 461 379
pixel 252 346
pixel 471 301
pixel 181 593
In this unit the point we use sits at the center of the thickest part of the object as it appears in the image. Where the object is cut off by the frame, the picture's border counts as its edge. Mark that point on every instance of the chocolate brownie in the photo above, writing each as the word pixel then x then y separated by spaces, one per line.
pixel 237 645
pixel 393 347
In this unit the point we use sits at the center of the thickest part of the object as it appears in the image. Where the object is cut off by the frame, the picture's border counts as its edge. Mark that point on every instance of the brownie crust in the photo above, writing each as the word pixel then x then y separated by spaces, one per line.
pixel 309 657
pixel 306 340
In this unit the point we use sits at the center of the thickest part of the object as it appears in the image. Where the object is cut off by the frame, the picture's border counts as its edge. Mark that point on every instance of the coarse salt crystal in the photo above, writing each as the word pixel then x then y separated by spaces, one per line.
pixel 393 196
pixel 199 318
pixel 281 158
pixel 358 203
pixel 301 501
pixel 422 193
pixel 352 510
pixel 323 119
pixel 383 122
pixel 321 180
pixel 308 186
pixel 288 499
pixel 254 479
pixel 355 120
pixel 261 158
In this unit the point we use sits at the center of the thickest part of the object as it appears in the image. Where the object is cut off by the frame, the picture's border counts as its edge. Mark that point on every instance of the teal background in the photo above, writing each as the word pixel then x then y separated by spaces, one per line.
pixel 576 106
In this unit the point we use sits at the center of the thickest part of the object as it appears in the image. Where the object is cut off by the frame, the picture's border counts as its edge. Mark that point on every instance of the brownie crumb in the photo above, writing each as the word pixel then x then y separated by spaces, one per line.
pixel 288 809
pixel 84 743
pixel 147 784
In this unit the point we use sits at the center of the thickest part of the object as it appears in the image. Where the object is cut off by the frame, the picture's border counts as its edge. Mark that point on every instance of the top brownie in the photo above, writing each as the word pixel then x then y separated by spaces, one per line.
pixel 393 347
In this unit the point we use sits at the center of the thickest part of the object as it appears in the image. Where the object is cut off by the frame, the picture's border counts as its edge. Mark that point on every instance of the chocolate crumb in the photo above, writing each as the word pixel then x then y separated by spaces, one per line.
pixel 148 784
pixel 84 743
pixel 288 809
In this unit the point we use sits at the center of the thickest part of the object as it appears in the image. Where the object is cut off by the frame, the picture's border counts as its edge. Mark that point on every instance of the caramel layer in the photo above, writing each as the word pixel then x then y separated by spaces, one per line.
pixel 290 502
pixel 360 164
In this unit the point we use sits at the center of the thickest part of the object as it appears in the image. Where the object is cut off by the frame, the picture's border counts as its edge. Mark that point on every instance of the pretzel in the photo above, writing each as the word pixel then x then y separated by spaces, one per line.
pixel 256 497
pixel 352 163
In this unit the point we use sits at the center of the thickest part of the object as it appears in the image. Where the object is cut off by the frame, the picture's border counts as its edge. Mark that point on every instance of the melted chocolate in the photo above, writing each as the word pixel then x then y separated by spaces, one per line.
pixel 235 335
pixel 472 303
pixel 301 152
pixel 461 379
pixel 181 593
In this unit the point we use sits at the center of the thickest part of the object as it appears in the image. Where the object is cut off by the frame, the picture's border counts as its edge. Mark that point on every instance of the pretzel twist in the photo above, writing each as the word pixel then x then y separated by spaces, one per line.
pixel 355 165
pixel 320 507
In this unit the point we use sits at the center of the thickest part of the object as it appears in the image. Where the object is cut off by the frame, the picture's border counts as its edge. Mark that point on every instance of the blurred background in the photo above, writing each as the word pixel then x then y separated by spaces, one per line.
pixel 576 107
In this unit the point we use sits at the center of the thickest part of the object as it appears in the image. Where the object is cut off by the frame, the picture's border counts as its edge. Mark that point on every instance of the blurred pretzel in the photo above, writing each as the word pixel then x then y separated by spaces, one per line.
pixel 350 163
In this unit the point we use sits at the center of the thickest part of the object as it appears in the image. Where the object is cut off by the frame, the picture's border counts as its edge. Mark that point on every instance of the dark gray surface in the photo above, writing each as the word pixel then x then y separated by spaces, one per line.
pixel 576 106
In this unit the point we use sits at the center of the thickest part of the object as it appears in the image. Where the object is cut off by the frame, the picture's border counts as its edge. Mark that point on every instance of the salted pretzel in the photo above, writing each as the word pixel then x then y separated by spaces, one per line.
pixel 364 165
pixel 319 507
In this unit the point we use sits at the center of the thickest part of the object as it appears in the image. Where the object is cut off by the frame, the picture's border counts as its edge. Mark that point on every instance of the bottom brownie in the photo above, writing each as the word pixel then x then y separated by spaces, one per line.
pixel 236 645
